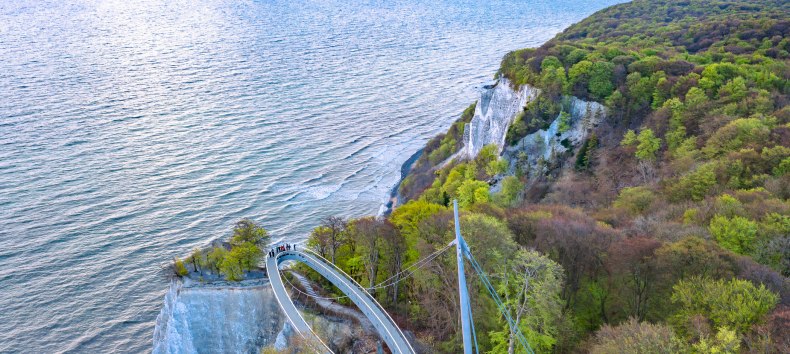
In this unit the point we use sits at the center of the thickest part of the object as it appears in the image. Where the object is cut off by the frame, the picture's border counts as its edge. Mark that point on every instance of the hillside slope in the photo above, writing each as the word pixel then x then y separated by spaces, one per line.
pixel 666 230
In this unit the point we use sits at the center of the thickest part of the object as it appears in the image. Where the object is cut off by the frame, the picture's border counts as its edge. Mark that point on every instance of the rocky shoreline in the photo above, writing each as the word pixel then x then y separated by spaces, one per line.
pixel 404 172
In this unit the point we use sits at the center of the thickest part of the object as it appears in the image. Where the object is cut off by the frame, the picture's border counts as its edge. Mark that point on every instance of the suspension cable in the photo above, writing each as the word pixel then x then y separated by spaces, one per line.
pixel 474 332
pixel 513 325
pixel 419 264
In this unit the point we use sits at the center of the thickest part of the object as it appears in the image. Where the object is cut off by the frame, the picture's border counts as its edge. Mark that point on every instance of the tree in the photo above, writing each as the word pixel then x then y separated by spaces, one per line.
pixel 406 217
pixel 496 167
pixel 600 84
pixel 734 303
pixel 577 243
pixel 565 122
pixel 247 230
pixel 579 76
pixel 552 78
pixel 320 240
pixel 215 258
pixel 487 158
pixel 335 229
pixel 689 257
pixel 394 247
pixel 726 341
pixel 247 254
pixel 633 336
pixel 179 268
pixel 633 271
pixel 550 62
pixel 369 233
pixel 471 192
pixel 640 90
pixel 197 259
pixel 489 239
pixel 734 90
pixel 739 133
pixel 648 145
pixel 508 195
pixel 696 184
pixel 736 234
pixel 584 158
pixel 692 256
pixel 231 266
pixel 629 138
pixel 530 286
pixel 636 200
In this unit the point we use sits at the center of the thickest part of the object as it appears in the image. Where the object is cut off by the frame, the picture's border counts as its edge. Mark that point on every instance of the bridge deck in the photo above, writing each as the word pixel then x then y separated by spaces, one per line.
pixel 385 326
pixel 291 312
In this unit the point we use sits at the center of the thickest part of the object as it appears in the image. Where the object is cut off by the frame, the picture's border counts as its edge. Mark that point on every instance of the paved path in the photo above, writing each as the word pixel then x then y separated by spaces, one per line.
pixel 382 322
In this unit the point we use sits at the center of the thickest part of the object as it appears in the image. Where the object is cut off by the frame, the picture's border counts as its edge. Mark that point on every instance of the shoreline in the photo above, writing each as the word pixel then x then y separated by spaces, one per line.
pixel 404 172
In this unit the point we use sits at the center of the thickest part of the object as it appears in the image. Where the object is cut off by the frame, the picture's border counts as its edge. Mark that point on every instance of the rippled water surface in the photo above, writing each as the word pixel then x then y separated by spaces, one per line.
pixel 132 131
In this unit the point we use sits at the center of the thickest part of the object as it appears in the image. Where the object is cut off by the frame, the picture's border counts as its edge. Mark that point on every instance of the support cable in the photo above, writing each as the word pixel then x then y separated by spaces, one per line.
pixel 474 333
pixel 513 325
pixel 419 264
pixel 423 262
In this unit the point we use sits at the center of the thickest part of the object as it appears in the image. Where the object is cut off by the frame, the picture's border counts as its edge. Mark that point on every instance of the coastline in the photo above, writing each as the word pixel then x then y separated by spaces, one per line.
pixel 404 172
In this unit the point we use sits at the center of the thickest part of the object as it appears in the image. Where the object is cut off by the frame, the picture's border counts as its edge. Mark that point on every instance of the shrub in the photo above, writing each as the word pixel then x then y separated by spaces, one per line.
pixel 690 216
pixel 783 168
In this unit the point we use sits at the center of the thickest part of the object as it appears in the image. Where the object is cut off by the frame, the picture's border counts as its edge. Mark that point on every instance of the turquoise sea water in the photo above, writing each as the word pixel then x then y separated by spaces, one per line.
pixel 134 131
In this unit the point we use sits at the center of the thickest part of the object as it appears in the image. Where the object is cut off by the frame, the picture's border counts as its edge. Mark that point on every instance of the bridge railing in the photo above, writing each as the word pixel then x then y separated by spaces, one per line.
pixel 376 307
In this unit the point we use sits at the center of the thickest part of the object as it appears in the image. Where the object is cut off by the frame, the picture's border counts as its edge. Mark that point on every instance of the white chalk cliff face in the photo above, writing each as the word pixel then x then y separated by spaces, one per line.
pixel 495 110
pixel 498 107
pixel 217 320
pixel 546 144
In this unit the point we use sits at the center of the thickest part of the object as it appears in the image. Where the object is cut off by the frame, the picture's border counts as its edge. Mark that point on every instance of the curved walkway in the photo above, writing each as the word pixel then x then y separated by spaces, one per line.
pixel 385 326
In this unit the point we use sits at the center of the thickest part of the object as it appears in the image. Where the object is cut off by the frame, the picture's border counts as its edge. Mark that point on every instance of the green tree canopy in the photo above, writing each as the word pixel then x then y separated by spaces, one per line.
pixel 247 230
pixel 736 234
pixel 648 145
pixel 735 303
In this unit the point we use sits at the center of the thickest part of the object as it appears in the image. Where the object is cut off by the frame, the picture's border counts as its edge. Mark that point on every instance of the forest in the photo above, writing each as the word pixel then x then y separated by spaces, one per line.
pixel 667 231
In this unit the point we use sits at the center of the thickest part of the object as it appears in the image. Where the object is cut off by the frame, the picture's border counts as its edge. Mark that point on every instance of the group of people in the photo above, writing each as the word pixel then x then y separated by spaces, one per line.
pixel 281 248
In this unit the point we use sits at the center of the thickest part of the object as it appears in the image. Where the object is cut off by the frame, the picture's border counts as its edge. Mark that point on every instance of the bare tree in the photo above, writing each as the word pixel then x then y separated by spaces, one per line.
pixel 394 247
pixel 336 228
pixel 365 231
pixel 633 271
pixel 579 245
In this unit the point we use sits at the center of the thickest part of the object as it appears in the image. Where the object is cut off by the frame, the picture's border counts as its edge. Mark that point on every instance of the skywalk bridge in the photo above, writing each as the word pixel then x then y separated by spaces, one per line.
pixel 387 329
